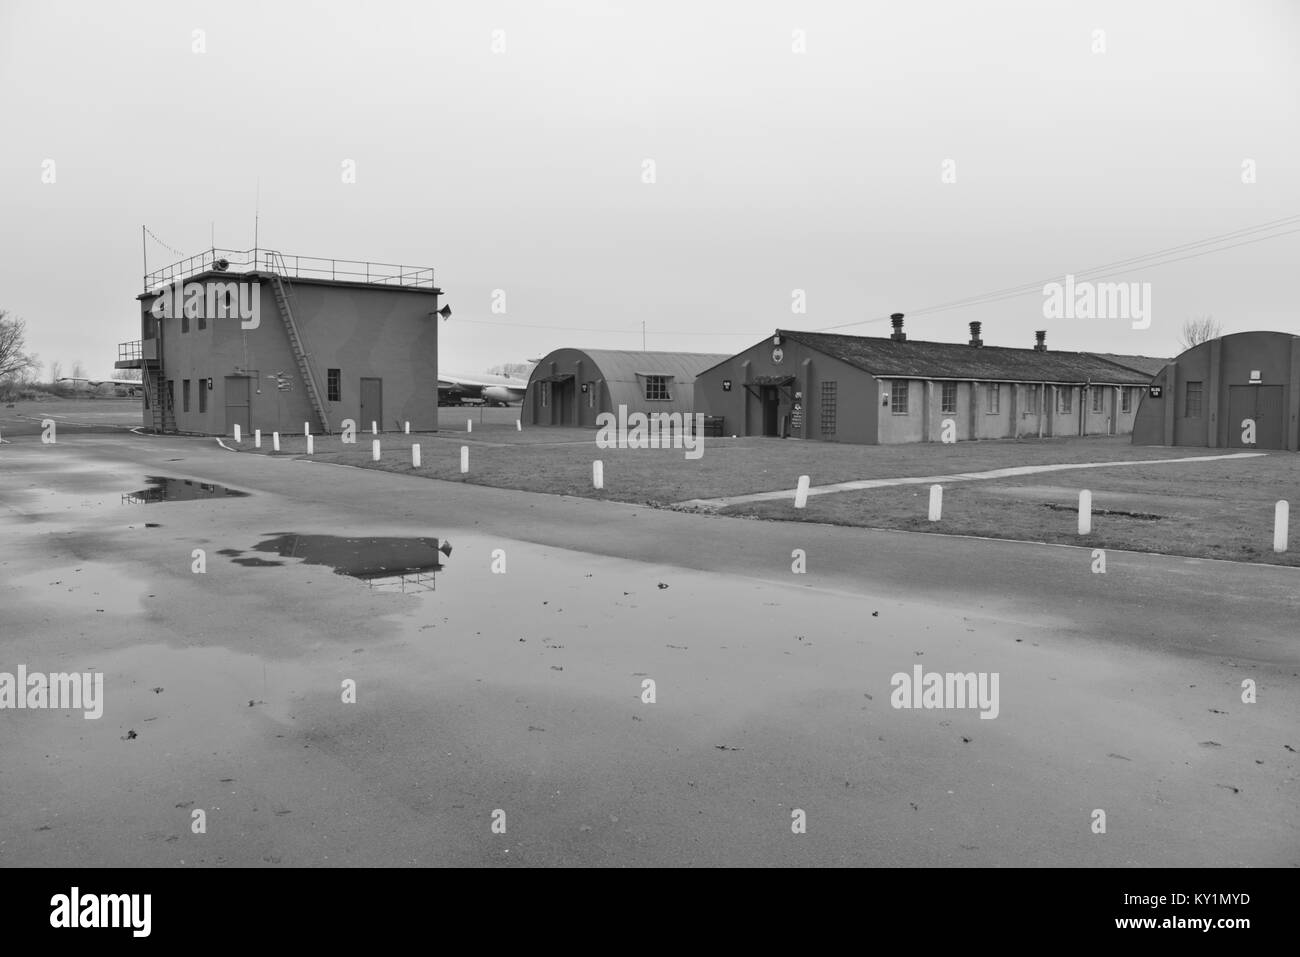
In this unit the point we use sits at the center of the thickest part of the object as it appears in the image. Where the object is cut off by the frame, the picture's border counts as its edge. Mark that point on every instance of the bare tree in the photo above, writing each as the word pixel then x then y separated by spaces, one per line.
pixel 1196 331
pixel 78 370
pixel 14 362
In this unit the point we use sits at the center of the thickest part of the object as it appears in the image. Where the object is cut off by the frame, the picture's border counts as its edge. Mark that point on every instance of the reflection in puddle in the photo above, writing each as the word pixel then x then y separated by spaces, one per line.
pixel 166 489
pixel 385 564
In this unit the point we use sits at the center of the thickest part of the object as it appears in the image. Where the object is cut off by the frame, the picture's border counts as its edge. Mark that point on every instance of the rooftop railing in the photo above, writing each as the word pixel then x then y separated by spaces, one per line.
pixel 291 267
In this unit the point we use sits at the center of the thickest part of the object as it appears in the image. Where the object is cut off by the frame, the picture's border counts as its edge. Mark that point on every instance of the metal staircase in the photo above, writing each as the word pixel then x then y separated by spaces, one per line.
pixel 161 410
pixel 284 302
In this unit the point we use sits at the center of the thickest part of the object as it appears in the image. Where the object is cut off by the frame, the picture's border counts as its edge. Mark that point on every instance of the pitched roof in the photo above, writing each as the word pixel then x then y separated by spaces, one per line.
pixel 1147 365
pixel 951 360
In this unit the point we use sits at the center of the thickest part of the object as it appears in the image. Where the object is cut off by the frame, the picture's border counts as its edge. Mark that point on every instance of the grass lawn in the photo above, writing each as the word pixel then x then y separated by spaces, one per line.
pixel 1206 509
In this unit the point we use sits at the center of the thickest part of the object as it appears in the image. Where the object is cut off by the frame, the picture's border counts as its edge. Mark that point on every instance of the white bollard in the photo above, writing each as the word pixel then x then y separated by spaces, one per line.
pixel 275 441
pixel 415 456
pixel 464 459
pixel 306 428
pixel 801 492
pixel 1281 516
pixel 237 438
pixel 374 427
pixel 311 444
pixel 1085 512
pixel 519 426
pixel 598 474
pixel 408 427
pixel 936 502
pixel 469 425
pixel 374 451
pixel 257 438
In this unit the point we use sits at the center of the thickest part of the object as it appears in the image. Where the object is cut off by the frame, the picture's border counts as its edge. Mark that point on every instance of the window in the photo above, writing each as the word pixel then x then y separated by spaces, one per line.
pixel 1126 399
pixel 591 395
pixel 656 387
pixel 204 386
pixel 994 395
pixel 333 385
pixel 1193 403
pixel 185 395
pixel 898 398
pixel 1098 400
pixel 1065 399
pixel 949 397
pixel 829 395
pixel 544 391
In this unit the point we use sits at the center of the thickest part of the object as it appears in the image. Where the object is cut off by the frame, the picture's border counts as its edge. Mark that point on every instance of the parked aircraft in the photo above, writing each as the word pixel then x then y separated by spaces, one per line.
pixel 456 389
pixel 127 387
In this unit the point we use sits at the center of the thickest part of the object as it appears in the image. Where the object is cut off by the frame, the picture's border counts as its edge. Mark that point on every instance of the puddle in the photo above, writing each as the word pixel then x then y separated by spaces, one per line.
pixel 163 488
pixel 385 564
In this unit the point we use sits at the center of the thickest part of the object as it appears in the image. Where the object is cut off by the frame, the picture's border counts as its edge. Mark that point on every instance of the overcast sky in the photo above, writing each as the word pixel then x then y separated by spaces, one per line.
pixel 775 170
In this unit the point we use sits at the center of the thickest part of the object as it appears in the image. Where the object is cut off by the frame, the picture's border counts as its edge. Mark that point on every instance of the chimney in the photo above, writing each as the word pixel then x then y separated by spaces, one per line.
pixel 899 335
pixel 1041 345
pixel 975 339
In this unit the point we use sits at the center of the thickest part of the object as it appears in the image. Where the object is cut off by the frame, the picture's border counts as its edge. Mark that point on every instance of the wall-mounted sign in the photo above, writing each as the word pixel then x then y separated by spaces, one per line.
pixel 1155 391
pixel 584 387
pixel 726 385
pixel 1255 377
pixel 796 417
pixel 777 355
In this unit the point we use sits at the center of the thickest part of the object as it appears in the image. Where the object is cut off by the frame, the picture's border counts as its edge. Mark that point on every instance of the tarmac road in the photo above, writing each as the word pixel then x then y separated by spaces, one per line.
pixel 522 692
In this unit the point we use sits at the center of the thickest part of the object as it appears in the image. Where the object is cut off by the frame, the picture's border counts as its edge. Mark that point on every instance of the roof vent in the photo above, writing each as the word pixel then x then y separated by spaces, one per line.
pixel 1041 344
pixel 899 335
pixel 975 339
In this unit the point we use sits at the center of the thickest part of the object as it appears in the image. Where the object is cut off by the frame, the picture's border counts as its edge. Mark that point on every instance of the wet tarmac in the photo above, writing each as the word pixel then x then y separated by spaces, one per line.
pixel 520 685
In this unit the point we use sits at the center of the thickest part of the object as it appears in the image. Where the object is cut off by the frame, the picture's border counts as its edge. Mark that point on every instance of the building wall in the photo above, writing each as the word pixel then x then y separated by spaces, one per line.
pixel 856 393
pixel 1220 365
pixel 364 331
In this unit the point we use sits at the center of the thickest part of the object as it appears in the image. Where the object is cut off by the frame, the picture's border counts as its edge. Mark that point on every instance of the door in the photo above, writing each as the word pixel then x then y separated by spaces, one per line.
pixel 237 410
pixel 771 402
pixel 1263 404
pixel 564 407
pixel 372 403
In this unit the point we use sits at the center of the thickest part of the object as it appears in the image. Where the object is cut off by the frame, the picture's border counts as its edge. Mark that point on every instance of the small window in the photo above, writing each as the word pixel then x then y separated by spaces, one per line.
pixel 544 391
pixel 994 393
pixel 204 386
pixel 1126 399
pixel 829 396
pixel 1065 399
pixel 1098 400
pixel 948 400
pixel 185 395
pixel 656 388
pixel 1193 403
pixel 333 385
pixel 898 397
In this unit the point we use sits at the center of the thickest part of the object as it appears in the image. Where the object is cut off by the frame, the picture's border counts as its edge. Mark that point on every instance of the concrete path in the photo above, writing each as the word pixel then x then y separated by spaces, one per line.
pixel 858 485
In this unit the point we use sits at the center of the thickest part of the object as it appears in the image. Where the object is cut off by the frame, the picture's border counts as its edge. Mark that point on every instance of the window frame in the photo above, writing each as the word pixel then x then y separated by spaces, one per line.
pixel 944 405
pixel 333 385
pixel 657 383
pixel 993 398
pixel 1200 398
pixel 899 387
pixel 828 406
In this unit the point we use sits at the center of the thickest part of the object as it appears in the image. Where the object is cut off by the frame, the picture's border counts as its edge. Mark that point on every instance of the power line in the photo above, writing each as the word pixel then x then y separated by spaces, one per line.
pixel 1105 270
